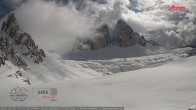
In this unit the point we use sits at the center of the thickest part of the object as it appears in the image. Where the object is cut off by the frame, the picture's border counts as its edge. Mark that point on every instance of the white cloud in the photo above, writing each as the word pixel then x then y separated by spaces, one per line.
pixel 151 18
pixel 58 25
pixel 169 28
pixel 53 26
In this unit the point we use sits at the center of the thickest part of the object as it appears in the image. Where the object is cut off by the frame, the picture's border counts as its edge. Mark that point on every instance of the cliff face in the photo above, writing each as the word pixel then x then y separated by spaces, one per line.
pixel 102 37
pixel 122 35
pixel 14 44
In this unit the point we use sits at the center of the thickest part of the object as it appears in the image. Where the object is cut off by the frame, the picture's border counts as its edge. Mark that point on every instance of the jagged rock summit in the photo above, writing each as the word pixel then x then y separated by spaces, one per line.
pixel 23 62
pixel 122 36
pixel 16 44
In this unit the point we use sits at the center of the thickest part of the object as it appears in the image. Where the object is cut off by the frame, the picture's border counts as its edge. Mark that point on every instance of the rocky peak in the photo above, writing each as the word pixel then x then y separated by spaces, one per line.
pixel 123 27
pixel 10 25
pixel 122 34
pixel 125 36
pixel 104 30
pixel 15 44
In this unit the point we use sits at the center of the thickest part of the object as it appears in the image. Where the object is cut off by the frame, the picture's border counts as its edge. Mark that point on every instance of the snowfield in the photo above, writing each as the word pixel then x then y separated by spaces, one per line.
pixel 129 71
pixel 51 70
pixel 167 87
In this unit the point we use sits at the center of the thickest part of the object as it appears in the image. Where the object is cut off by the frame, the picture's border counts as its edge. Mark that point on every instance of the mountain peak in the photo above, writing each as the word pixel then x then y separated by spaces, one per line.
pixel 10 25
pixel 123 27
pixel 11 18
pixel 16 45
pixel 122 34
pixel 120 21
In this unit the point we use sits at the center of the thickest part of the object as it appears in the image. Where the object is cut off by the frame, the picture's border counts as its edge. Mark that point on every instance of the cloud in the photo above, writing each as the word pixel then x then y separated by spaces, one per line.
pixel 150 18
pixel 169 28
pixel 8 5
pixel 53 26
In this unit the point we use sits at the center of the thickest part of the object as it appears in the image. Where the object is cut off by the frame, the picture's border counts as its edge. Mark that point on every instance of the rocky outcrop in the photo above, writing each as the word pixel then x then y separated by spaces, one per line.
pixel 102 37
pixel 17 60
pixel 14 44
pixel 139 39
pixel 104 30
pixel 17 75
pixel 122 34
pixel 6 50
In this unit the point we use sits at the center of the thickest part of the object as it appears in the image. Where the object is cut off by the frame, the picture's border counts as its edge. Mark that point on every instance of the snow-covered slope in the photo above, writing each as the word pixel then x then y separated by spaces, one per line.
pixel 117 65
pixel 50 70
pixel 167 87
pixel 19 54
pixel 159 84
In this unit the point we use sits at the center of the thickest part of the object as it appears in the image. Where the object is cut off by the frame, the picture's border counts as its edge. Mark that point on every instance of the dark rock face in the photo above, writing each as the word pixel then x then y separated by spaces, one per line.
pixel 6 50
pixel 19 61
pixel 104 30
pixel 102 37
pixel 123 28
pixel 122 34
pixel 139 39
pixel 10 25
pixel 14 43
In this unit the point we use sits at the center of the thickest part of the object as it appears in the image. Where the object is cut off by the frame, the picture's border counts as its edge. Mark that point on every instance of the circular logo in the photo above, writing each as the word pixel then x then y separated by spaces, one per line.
pixel 19 94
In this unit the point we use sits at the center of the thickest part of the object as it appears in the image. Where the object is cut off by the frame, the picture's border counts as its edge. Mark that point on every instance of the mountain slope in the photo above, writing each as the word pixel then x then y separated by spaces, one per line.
pixel 20 54
pixel 167 87
pixel 16 43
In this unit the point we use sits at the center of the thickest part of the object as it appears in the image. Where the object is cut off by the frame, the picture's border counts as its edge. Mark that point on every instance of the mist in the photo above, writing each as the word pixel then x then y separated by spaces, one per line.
pixel 55 25
pixel 153 19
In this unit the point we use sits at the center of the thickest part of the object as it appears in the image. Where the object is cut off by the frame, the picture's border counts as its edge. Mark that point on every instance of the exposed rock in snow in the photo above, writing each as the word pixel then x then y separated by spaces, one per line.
pixel 102 38
pixel 192 108
pixel 139 39
pixel 18 52
pixel 122 34
pixel 14 43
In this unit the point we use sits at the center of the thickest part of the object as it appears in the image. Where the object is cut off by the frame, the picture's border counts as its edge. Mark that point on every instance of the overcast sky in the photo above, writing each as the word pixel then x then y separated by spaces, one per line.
pixel 55 24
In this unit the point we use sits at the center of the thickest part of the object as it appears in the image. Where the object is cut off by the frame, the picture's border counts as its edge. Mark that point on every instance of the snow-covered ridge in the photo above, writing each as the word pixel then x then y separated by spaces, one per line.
pixel 128 64
pixel 20 54
pixel 16 44
pixel 50 70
